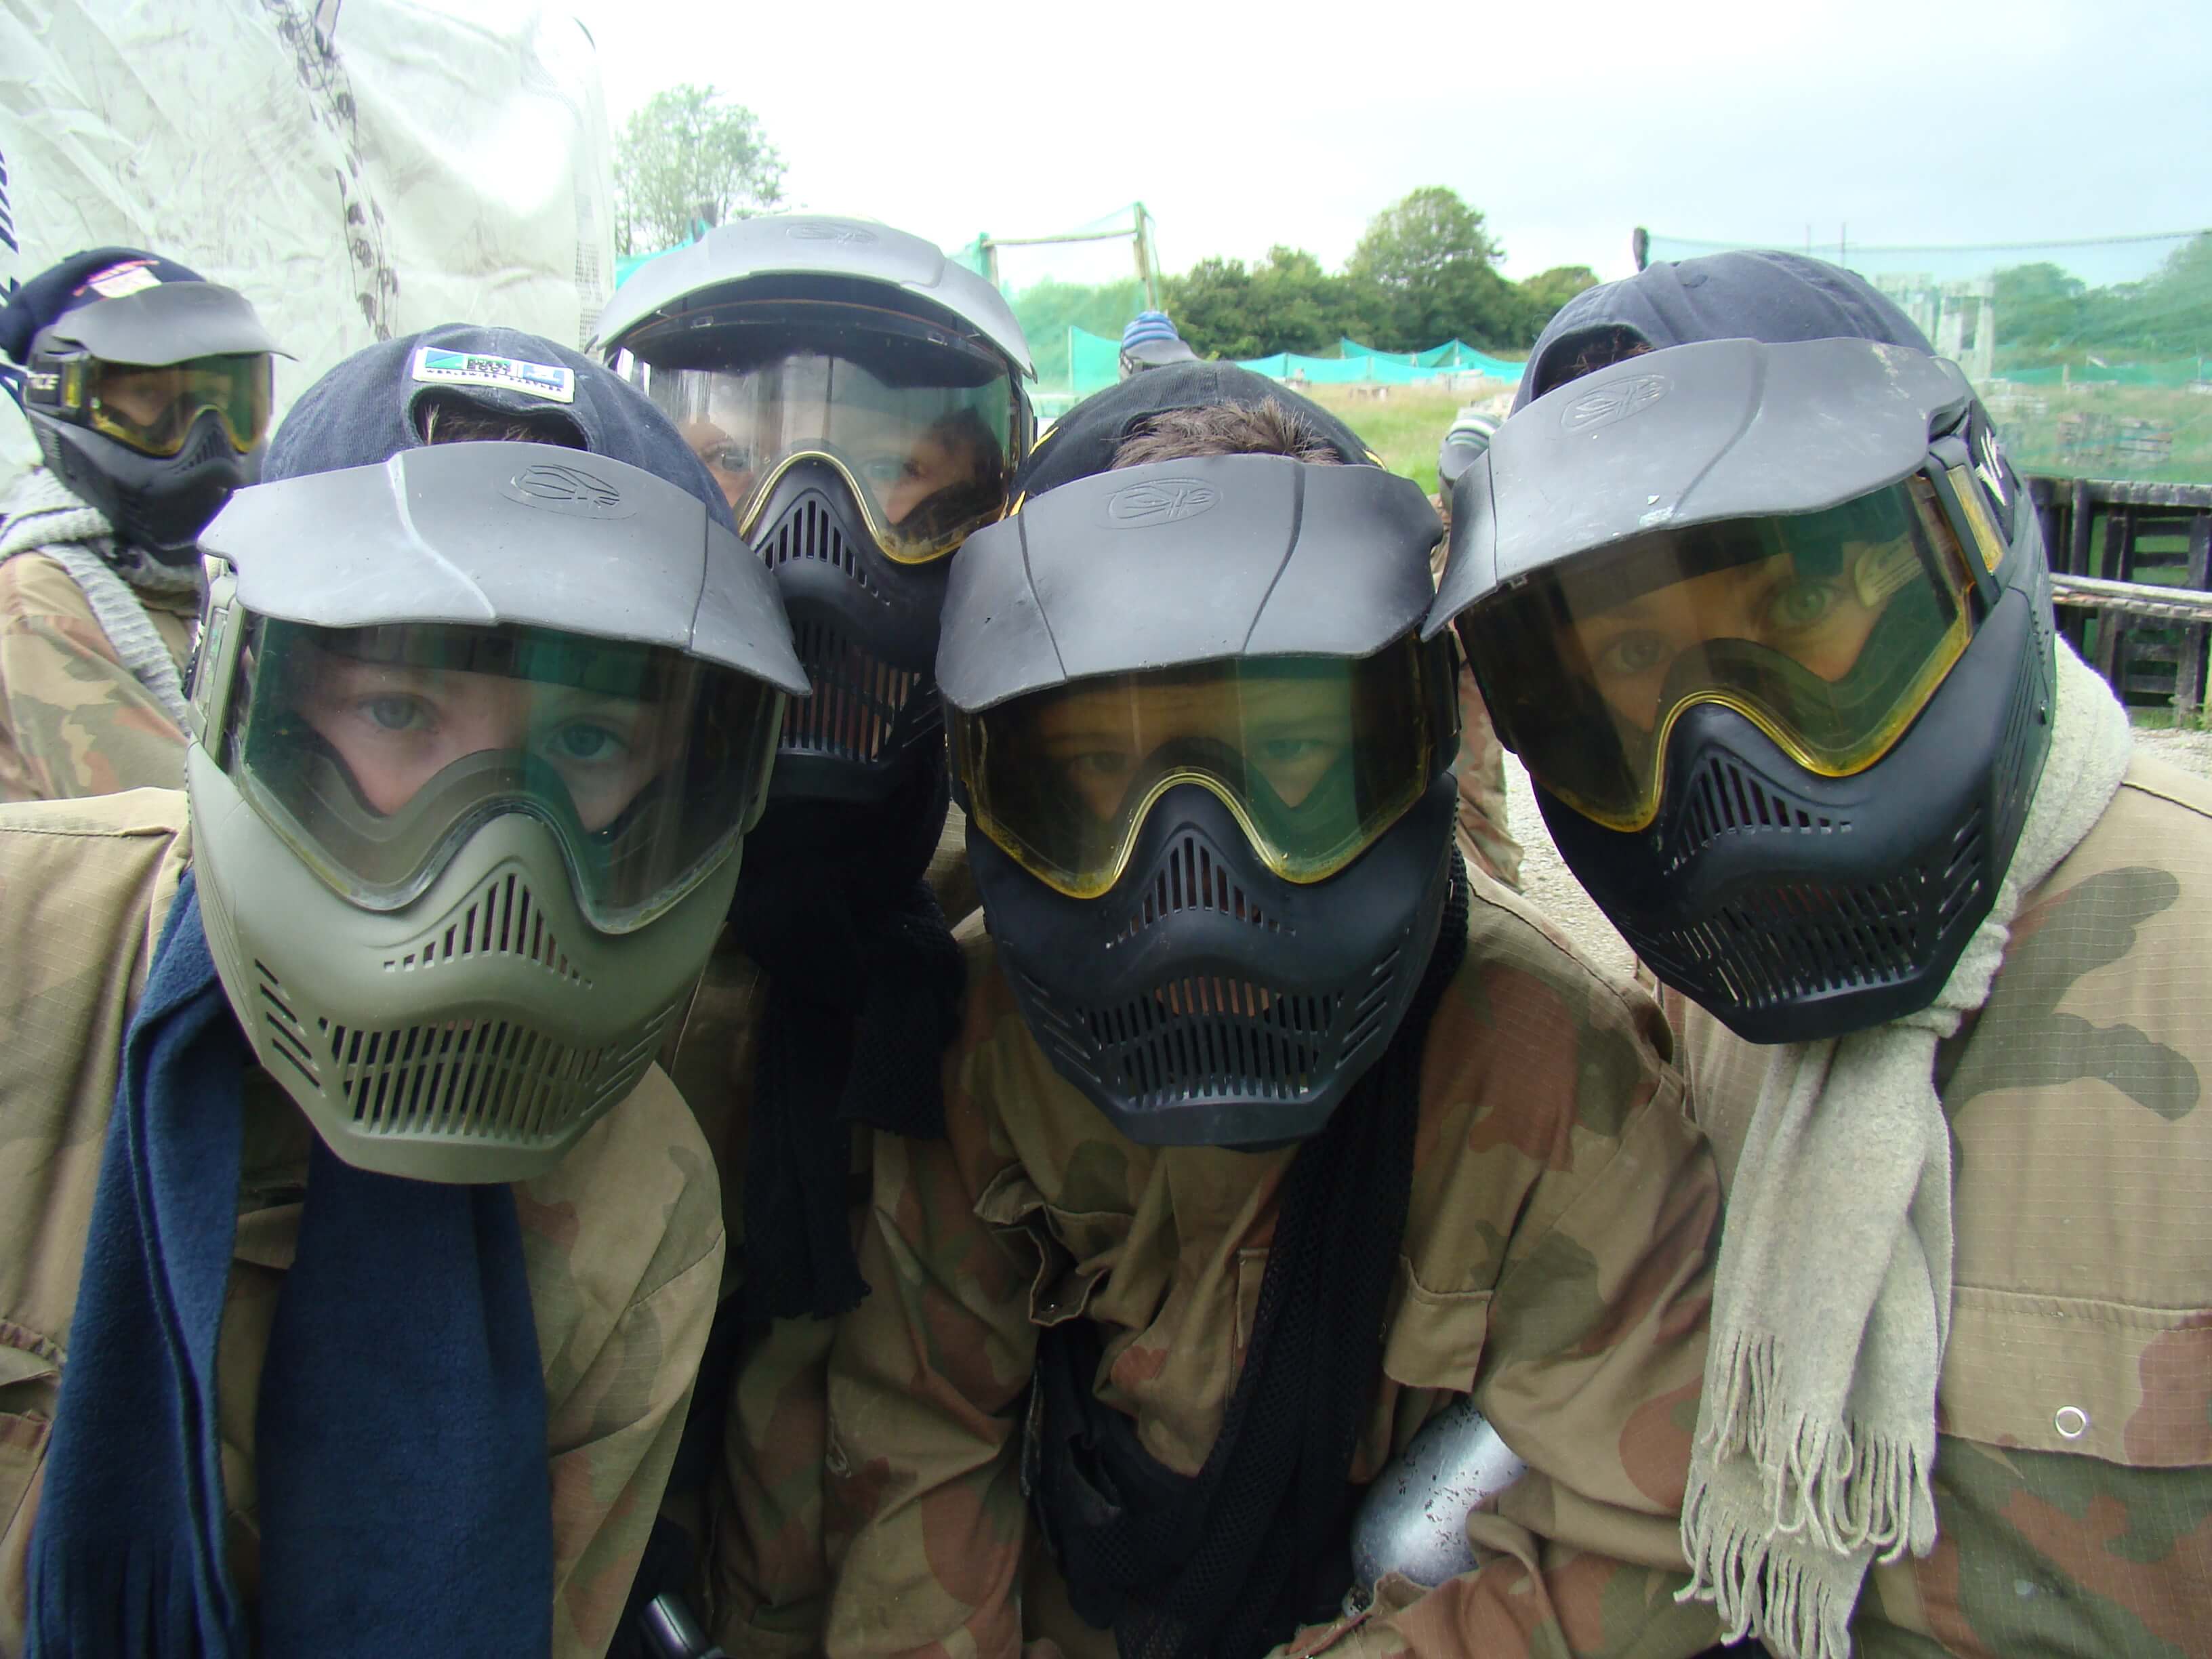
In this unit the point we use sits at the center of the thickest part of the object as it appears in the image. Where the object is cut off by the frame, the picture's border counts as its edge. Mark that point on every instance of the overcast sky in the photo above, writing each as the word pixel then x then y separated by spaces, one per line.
pixel 1240 125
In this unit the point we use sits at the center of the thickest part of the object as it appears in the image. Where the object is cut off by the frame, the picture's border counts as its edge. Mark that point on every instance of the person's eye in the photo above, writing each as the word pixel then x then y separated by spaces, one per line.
pixel 586 743
pixel 1096 766
pixel 728 457
pixel 884 468
pixel 1283 751
pixel 397 714
pixel 1626 656
pixel 1796 606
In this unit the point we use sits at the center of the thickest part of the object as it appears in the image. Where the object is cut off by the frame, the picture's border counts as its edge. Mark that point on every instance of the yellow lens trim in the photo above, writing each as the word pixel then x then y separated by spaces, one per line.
pixel 1990 544
pixel 886 541
pixel 1841 764
pixel 973 739
pixel 1077 888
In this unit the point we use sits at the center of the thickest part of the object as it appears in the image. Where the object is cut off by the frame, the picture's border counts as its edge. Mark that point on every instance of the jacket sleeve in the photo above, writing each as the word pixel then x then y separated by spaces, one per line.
pixel 624 1287
pixel 926 1518
pixel 80 721
pixel 1591 1371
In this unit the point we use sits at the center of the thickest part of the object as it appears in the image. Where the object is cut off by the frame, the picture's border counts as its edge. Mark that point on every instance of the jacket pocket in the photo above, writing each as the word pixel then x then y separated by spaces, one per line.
pixel 2108 1380
pixel 30 1382
pixel 1434 1339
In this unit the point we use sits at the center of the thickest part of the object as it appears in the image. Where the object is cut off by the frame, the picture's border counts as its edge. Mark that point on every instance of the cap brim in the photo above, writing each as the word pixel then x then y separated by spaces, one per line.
pixel 170 323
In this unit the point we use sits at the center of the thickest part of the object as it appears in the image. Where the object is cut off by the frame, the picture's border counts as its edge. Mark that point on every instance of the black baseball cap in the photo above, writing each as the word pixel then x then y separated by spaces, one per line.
pixel 368 409
pixel 1082 442
pixel 1769 297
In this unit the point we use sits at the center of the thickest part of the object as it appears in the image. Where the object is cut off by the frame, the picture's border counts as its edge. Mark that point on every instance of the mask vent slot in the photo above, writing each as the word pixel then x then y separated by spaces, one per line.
pixel 1725 800
pixel 1367 1017
pixel 1208 1037
pixel 286 1035
pixel 482 1080
pixel 503 919
pixel 1191 878
pixel 1804 938
pixel 859 699
pixel 809 531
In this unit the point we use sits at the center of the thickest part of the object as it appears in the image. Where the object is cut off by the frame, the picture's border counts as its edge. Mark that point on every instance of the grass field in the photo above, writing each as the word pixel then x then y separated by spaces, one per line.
pixel 1405 428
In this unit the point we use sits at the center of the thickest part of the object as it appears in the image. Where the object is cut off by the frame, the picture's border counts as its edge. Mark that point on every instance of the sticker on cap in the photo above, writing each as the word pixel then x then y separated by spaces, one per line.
pixel 131 276
pixel 441 365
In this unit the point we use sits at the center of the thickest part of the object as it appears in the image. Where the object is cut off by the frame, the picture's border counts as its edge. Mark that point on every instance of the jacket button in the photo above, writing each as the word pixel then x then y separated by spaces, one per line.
pixel 2071 1422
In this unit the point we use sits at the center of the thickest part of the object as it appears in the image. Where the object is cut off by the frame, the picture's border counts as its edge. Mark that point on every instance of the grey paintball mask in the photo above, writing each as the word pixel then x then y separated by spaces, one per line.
pixel 152 406
pixel 1205 761
pixel 1770 627
pixel 477 734
pixel 861 401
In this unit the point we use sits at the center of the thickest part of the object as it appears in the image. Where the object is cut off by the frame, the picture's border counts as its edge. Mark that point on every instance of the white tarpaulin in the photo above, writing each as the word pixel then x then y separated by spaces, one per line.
pixel 358 168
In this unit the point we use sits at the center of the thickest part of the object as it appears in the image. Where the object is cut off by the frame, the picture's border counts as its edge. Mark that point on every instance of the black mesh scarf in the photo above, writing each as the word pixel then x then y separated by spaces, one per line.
pixel 864 989
pixel 1228 1562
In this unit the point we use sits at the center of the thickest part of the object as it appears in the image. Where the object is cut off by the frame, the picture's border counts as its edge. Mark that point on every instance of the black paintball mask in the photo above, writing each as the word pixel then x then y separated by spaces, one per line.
pixel 152 406
pixel 862 404
pixel 1206 762
pixel 1770 626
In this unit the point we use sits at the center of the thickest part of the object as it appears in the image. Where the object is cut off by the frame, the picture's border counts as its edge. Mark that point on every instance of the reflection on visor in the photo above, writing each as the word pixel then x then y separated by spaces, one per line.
pixel 1828 630
pixel 922 424
pixel 152 410
pixel 376 753
pixel 1315 755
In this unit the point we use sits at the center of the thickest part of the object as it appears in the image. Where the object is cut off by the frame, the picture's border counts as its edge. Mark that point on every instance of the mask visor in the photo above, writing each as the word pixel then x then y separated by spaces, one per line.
pixel 1316 756
pixel 377 752
pixel 151 409
pixel 924 422
pixel 1827 631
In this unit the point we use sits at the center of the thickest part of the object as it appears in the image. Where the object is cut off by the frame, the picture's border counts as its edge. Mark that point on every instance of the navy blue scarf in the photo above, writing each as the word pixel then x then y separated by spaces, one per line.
pixel 404 1503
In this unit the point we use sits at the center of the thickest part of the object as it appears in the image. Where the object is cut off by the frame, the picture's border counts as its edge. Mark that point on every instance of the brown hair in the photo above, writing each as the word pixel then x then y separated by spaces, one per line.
pixel 1266 428
pixel 453 420
pixel 1602 348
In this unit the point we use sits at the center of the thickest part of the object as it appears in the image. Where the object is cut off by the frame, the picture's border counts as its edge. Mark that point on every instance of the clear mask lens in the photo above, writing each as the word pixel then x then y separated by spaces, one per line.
pixel 923 423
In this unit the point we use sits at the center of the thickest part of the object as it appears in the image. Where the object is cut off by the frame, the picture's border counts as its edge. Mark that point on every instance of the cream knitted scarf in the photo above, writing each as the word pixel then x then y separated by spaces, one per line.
pixel 1832 1300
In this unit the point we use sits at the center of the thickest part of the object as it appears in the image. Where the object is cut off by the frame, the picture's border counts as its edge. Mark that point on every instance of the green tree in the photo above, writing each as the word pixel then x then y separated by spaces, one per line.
pixel 690 155
pixel 1542 295
pixel 1216 310
pixel 1432 268
pixel 2037 306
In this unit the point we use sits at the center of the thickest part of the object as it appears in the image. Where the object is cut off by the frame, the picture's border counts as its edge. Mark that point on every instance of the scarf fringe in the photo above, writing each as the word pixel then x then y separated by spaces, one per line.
pixel 1844 1485
pixel 1757 1591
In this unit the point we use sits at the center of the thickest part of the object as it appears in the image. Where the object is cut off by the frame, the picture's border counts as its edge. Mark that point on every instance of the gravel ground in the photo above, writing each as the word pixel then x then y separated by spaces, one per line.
pixel 1556 892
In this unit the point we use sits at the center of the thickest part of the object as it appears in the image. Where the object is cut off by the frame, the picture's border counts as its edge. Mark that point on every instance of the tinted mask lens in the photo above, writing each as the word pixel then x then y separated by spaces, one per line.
pixel 1315 756
pixel 151 409
pixel 1828 630
pixel 375 753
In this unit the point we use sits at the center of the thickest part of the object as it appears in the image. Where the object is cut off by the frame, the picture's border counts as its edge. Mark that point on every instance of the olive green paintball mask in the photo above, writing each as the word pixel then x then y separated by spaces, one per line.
pixel 477 733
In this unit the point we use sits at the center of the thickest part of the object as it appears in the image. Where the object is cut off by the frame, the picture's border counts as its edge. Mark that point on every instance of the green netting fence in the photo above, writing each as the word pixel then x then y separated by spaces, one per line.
pixel 2093 354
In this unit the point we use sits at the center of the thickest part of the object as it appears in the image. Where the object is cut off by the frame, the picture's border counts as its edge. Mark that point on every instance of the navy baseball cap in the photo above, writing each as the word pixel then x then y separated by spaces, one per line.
pixel 1082 442
pixel 370 407
pixel 1772 297
pixel 83 279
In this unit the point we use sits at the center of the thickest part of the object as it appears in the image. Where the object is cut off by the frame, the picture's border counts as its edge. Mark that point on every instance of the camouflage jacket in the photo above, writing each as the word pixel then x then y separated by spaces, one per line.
pixel 1554 1265
pixel 623 1239
pixel 2073 1471
pixel 74 721
pixel 1484 833
pixel 765 1577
